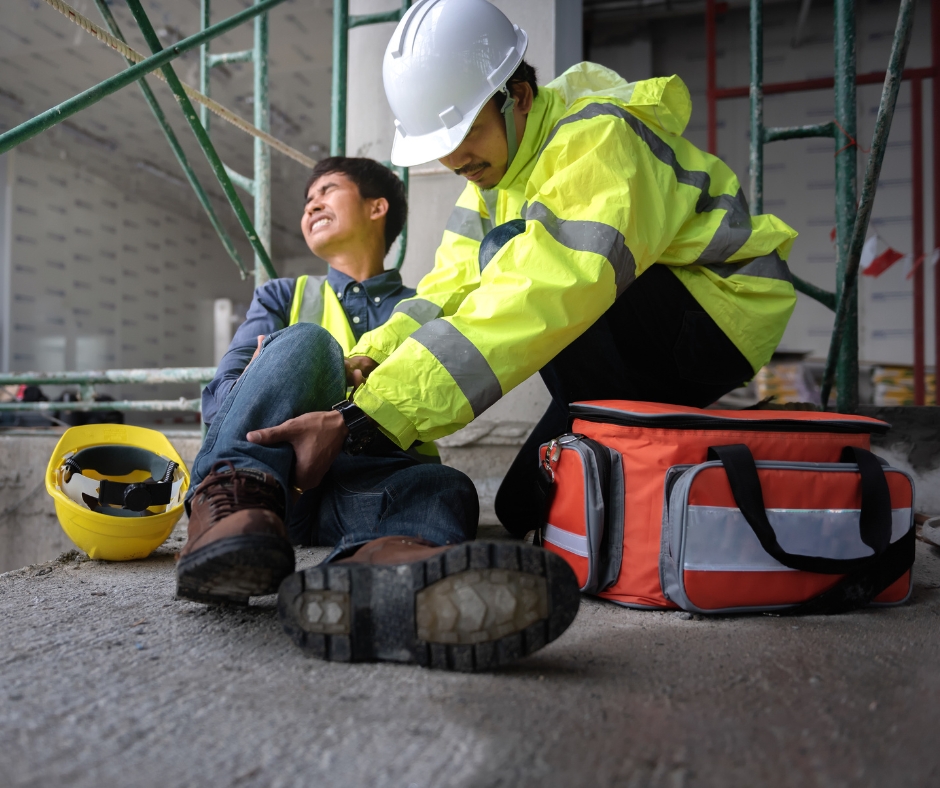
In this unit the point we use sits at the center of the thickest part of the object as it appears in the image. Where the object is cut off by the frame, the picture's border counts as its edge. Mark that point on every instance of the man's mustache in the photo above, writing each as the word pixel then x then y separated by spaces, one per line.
pixel 470 169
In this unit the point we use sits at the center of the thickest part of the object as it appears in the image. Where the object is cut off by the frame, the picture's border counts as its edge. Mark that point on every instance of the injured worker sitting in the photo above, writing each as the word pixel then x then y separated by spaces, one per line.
pixel 377 504
pixel 592 244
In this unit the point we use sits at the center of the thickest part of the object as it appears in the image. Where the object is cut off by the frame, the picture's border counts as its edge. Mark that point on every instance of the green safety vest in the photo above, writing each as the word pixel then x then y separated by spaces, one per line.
pixel 607 187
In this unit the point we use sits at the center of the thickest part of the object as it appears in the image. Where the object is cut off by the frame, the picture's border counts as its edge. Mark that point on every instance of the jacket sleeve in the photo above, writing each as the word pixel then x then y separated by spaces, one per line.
pixel 600 209
pixel 269 312
pixel 456 273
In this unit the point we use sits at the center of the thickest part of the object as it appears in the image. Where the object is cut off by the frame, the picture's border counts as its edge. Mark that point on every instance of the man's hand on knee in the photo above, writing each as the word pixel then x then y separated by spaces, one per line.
pixel 317 439
pixel 358 368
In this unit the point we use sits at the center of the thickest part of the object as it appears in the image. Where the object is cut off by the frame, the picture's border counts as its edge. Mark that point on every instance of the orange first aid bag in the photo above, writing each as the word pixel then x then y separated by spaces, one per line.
pixel 664 506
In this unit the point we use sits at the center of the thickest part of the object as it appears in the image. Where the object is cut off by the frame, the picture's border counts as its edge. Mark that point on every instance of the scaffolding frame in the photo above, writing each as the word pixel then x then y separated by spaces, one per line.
pixel 343 22
pixel 851 216
pixel 258 233
pixel 258 186
pixel 161 58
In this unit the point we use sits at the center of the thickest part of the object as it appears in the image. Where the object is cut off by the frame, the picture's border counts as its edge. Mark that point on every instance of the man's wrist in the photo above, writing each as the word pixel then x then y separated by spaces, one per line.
pixel 336 420
pixel 361 430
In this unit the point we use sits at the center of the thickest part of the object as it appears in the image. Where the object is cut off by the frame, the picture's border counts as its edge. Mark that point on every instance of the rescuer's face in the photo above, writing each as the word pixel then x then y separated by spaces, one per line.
pixel 483 155
pixel 336 217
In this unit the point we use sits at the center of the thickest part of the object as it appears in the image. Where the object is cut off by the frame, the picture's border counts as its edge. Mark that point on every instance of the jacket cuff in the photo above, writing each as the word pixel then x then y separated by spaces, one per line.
pixel 367 349
pixel 392 424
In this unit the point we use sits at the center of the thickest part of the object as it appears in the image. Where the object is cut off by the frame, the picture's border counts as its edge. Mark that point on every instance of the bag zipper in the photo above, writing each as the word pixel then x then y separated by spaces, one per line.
pixel 600 456
pixel 702 421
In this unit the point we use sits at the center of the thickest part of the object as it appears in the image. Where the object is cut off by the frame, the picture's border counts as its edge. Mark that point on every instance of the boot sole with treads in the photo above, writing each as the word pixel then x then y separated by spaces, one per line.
pixel 475 606
pixel 234 569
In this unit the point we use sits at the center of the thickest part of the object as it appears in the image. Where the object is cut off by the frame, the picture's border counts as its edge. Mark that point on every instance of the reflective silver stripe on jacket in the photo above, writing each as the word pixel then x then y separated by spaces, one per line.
pixel 466 222
pixel 584 236
pixel 311 306
pixel 770 266
pixel 465 363
pixel 732 232
pixel 735 227
pixel 419 309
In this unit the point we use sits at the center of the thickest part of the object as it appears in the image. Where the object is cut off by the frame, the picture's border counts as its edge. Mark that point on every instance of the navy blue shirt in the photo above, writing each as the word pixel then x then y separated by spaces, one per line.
pixel 367 305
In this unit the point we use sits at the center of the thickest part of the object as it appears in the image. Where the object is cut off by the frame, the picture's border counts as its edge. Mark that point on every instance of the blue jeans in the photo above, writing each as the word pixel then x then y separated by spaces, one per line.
pixel 383 493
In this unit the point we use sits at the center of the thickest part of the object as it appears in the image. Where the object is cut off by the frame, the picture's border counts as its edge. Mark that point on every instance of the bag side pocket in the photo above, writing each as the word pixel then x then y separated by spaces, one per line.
pixel 576 518
pixel 677 481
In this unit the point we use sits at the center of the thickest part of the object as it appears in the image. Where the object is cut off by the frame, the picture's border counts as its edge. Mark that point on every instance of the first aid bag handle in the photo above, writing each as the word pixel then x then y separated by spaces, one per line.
pixel 874 517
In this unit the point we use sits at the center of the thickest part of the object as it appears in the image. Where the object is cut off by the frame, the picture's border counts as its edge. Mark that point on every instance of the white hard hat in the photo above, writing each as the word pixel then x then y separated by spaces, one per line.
pixel 446 59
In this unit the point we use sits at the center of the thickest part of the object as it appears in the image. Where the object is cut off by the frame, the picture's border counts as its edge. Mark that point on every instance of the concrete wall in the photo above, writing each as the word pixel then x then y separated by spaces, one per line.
pixel 96 278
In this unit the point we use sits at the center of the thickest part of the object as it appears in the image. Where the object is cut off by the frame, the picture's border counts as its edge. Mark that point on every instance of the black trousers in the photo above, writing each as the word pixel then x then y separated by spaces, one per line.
pixel 656 344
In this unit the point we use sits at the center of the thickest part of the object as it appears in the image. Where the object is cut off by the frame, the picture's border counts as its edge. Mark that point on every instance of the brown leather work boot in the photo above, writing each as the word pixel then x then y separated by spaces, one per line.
pixel 237 546
pixel 474 606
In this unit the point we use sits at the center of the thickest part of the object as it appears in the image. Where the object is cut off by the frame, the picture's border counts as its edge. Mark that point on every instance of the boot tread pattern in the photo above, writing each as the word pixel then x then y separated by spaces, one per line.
pixel 480 605
pixel 474 607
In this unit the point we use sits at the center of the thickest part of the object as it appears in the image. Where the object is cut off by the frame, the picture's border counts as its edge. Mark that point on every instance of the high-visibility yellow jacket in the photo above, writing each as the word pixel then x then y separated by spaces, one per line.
pixel 315 302
pixel 607 188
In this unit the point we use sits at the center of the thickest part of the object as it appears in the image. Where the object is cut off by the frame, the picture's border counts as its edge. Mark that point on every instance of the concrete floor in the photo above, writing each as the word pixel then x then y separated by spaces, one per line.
pixel 107 680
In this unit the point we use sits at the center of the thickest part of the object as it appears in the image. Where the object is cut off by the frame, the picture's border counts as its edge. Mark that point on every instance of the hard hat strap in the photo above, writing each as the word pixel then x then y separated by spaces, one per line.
pixel 510 119
pixel 135 496
pixel 160 490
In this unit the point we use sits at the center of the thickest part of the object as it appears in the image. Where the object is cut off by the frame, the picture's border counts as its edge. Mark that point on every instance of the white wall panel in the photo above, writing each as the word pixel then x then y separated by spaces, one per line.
pixel 101 279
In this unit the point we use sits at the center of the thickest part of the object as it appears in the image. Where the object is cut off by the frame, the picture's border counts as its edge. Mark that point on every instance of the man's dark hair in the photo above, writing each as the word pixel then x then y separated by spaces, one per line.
pixel 524 73
pixel 373 180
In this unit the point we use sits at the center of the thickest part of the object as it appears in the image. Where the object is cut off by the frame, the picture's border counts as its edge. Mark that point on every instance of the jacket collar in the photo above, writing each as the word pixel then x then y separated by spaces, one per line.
pixel 379 286
pixel 547 109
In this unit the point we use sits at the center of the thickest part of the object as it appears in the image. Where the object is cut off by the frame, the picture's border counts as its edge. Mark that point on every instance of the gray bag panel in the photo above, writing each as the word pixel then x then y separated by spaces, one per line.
pixel 612 553
pixel 834 525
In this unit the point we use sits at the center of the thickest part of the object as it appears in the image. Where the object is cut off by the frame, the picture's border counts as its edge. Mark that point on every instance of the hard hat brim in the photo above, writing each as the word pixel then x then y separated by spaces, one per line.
pixel 410 151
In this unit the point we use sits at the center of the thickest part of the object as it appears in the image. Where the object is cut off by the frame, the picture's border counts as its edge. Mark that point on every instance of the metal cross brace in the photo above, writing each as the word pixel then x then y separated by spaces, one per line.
pixel 177 149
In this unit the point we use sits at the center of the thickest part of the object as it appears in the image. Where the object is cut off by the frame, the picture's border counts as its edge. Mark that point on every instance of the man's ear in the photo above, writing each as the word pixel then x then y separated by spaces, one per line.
pixel 379 208
pixel 522 93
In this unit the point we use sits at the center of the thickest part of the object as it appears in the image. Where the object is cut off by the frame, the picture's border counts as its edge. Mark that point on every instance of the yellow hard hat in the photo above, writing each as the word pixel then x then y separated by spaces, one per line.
pixel 118 490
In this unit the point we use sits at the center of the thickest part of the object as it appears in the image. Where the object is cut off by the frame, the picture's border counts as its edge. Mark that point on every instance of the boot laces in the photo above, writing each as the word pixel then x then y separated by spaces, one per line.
pixel 233 490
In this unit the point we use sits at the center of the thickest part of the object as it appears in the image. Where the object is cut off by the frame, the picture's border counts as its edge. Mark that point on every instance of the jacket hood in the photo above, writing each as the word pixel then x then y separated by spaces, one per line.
pixel 663 103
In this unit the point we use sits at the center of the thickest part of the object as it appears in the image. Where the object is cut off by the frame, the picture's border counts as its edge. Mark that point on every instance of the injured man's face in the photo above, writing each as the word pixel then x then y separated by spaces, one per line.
pixel 336 217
